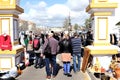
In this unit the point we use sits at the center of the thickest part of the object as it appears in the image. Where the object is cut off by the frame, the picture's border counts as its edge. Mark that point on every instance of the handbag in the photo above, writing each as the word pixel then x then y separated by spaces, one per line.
pixel 47 50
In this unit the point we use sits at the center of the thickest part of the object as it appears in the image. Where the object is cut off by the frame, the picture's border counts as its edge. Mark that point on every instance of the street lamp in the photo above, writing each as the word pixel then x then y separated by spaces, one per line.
pixel 69 26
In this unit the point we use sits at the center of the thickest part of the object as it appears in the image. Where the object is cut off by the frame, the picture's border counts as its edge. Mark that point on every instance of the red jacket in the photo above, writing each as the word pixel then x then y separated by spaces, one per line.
pixel 5 42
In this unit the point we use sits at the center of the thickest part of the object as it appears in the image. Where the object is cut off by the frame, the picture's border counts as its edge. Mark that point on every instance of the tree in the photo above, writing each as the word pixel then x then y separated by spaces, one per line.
pixel 66 23
pixel 76 26
pixel 87 23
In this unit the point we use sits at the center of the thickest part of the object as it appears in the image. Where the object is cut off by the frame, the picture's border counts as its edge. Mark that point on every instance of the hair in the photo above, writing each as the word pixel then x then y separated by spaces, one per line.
pixel 46 35
pixel 88 32
pixel 76 34
pixel 25 36
pixel 52 31
pixel 36 35
pixel 66 36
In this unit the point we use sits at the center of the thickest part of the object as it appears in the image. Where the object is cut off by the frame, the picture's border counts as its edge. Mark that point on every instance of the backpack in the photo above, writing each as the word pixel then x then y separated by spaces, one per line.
pixel 36 44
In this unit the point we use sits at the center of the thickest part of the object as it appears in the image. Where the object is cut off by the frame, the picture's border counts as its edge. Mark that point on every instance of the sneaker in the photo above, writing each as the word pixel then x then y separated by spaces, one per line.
pixel 53 76
pixel 40 67
pixel 65 74
pixel 69 75
pixel 35 67
pixel 48 77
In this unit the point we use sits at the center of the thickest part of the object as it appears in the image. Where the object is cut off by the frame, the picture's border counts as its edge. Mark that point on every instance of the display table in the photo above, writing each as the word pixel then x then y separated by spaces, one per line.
pixel 103 53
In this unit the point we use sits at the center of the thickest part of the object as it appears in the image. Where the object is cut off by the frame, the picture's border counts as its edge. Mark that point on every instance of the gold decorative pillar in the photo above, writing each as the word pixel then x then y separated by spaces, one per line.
pixel 9 11
pixel 100 11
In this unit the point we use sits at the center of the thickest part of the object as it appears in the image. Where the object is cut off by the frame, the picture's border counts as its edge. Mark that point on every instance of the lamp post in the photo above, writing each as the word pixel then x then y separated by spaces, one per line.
pixel 69 26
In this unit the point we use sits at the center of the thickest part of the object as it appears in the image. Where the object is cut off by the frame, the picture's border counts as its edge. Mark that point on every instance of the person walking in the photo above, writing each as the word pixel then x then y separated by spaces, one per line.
pixel 76 48
pixel 21 38
pixel 26 41
pixel 66 50
pixel 50 58
pixel 89 38
pixel 37 43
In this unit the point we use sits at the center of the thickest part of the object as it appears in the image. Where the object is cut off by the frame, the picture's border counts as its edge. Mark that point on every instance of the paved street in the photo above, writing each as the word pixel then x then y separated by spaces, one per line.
pixel 30 73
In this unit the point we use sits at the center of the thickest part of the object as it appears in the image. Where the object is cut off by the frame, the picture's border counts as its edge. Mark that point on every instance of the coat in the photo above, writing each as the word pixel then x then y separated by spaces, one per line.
pixel 5 42
pixel 66 50
pixel 65 46
pixel 53 44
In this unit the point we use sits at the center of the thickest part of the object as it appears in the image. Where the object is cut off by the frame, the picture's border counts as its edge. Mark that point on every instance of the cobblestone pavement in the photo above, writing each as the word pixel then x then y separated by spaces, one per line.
pixel 30 73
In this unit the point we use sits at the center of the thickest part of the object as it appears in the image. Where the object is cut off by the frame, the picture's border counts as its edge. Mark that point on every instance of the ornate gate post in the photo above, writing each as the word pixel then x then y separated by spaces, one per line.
pixel 9 11
pixel 101 50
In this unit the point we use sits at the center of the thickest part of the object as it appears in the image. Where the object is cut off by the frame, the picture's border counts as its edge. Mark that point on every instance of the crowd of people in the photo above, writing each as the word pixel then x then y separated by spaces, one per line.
pixel 70 48
pixel 47 46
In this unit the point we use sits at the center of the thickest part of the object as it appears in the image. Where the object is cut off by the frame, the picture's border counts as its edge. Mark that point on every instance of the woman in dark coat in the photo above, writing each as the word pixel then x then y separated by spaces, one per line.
pixel 66 50
pixel 89 39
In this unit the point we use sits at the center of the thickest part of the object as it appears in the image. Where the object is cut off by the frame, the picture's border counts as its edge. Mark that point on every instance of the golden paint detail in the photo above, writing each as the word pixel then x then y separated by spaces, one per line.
pixel 9 15
pixel 93 1
pixel 8 52
pixel 0 26
pixel 101 44
pixel 103 5
pixel 102 38
pixel 17 8
pixel 100 9
pixel 10 10
pixel 99 31
pixel 6 58
pixel 98 1
pixel 103 52
pixel 7 4
pixel 12 51
pixel 102 0
pixel 16 42
pixel 8 24
pixel 102 14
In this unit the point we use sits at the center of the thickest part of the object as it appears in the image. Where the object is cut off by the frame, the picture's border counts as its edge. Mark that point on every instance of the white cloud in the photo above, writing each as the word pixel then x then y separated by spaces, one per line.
pixel 54 15
pixel 77 5
pixel 58 10
pixel 115 19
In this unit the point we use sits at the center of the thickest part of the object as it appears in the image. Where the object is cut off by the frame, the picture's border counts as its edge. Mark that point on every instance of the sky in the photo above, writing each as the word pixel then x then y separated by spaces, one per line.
pixel 53 12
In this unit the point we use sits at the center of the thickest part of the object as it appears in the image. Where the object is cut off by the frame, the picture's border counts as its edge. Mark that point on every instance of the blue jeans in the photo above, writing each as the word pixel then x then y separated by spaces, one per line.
pixel 66 66
pixel 51 60
pixel 37 60
pixel 76 59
